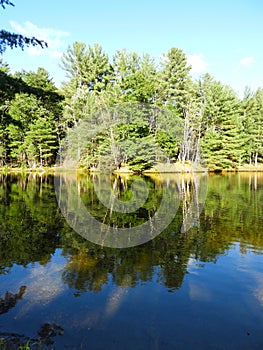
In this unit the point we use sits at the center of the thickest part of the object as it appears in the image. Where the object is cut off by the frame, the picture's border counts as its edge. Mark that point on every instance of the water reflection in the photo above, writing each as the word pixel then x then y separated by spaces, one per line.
pixel 33 228
pixel 9 300
pixel 30 220
pixel 80 285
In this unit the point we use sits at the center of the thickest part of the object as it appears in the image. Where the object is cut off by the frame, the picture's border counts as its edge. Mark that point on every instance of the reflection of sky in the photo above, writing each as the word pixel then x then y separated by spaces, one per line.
pixel 44 284
pixel 237 274
pixel 259 289
pixel 199 291
pixel 116 298
pixel 221 300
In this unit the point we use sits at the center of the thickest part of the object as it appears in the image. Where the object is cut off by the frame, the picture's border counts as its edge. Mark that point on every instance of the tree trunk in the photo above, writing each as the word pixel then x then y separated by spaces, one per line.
pixel 256 158
pixel 40 156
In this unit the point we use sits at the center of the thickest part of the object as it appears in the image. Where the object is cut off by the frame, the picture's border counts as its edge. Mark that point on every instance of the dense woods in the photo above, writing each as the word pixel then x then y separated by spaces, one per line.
pixel 36 116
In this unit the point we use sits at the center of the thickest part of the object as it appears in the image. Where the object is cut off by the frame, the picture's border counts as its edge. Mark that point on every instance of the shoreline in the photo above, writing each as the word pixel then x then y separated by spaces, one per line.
pixel 172 169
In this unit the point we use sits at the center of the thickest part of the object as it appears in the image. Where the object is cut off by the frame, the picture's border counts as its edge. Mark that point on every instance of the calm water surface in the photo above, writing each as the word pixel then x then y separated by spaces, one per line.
pixel 202 289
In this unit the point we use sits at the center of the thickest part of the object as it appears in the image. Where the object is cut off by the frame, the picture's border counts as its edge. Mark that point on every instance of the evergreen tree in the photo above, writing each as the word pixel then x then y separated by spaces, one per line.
pixel 135 77
pixel 224 137
pixel 22 113
pixel 34 116
pixel 174 80
pixel 40 142
pixel 87 67
pixel 253 124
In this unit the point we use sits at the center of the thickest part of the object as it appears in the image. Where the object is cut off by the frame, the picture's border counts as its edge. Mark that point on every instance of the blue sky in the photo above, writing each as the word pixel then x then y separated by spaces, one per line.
pixel 224 38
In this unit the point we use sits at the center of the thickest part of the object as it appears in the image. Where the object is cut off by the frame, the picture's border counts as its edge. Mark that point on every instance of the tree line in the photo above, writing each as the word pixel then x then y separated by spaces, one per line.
pixel 224 129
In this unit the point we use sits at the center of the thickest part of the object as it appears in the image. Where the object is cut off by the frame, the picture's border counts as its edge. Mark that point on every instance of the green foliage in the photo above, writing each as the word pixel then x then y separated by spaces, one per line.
pixel 206 118
pixel 87 67
pixel 213 122
pixel 174 79
pixel 168 143
pixel 30 113
pixel 40 142
pixel 224 136
pixel 24 347
pixel 29 231
pixel 253 125
pixel 131 134
pixel 140 155
pixel 135 76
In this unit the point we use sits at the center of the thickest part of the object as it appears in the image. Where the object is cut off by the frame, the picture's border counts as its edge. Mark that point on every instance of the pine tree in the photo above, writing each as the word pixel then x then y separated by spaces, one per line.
pixel 134 76
pixel 174 79
pixel 253 124
pixel 87 67
pixel 224 137
pixel 40 142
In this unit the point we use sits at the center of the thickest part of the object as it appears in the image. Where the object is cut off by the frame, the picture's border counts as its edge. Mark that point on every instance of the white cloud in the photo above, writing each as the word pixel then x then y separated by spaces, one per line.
pixel 197 62
pixel 247 60
pixel 54 38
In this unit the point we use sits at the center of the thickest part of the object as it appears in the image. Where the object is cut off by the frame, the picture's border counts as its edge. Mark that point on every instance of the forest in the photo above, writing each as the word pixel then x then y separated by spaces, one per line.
pixel 36 116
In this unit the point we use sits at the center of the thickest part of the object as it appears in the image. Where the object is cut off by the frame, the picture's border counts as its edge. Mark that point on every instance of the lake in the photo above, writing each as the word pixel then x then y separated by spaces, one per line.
pixel 196 285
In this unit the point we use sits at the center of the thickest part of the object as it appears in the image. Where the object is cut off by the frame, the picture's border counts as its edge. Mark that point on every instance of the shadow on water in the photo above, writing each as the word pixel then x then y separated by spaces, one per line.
pixel 74 286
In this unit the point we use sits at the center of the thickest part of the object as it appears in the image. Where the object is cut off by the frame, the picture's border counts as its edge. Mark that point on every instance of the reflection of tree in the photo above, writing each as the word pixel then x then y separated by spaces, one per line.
pixel 234 210
pixel 28 230
pixel 91 266
pixel 33 229
pixel 47 331
pixel 117 185
pixel 228 216
pixel 9 300
pixel 86 272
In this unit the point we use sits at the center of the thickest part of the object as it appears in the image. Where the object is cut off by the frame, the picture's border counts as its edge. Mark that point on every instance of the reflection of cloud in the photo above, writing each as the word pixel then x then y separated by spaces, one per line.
pixel 116 298
pixel 114 301
pixel 258 292
pixel 193 266
pixel 245 61
pixel 197 62
pixel 199 292
pixel 54 38
pixel 91 316
pixel 44 284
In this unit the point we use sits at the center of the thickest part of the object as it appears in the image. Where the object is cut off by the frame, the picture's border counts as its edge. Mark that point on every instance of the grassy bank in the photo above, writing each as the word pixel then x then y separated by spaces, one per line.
pixel 251 168
pixel 27 170
pixel 159 168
